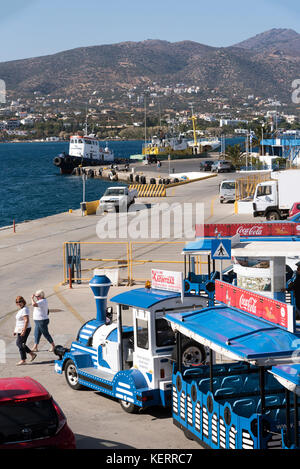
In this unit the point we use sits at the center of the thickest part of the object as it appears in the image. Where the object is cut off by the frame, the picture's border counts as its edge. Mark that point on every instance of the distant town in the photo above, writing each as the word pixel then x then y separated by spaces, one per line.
pixel 138 114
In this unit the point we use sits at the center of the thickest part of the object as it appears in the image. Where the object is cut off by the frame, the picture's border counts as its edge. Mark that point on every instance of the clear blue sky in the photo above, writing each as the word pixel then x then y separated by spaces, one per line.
pixel 30 28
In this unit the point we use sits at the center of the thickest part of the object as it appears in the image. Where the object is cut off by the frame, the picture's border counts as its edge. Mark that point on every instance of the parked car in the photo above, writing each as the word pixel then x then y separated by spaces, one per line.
pixel 30 417
pixel 222 167
pixel 118 198
pixel 295 218
pixel 206 165
pixel 295 209
pixel 227 191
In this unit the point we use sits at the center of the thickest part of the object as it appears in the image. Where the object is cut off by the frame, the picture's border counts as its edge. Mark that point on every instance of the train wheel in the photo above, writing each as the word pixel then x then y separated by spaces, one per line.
pixel 129 407
pixel 72 375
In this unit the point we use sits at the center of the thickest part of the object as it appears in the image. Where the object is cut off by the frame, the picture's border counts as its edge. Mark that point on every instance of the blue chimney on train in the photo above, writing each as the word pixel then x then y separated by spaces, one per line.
pixel 100 285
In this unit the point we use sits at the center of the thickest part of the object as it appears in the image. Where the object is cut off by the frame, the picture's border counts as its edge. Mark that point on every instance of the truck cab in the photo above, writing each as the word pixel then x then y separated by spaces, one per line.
pixel 117 198
pixel 265 201
pixel 273 199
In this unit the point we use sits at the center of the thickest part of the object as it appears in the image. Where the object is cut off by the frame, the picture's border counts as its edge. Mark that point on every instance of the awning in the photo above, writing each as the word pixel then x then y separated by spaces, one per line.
pixel 282 248
pixel 249 245
pixel 237 335
pixel 200 246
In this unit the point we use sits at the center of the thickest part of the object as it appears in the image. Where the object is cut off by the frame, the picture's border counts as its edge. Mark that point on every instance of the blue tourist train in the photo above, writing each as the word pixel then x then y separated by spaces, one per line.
pixel 223 358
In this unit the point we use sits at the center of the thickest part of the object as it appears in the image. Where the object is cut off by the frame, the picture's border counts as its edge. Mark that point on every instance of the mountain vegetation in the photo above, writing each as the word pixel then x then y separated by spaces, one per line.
pixel 264 65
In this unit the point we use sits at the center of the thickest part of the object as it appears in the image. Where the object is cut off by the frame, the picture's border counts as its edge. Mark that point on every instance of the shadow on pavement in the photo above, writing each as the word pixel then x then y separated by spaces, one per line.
pixel 87 442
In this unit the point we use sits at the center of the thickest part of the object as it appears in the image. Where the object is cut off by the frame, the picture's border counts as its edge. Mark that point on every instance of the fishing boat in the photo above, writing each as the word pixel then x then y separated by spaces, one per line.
pixel 83 151
pixel 202 145
pixel 164 145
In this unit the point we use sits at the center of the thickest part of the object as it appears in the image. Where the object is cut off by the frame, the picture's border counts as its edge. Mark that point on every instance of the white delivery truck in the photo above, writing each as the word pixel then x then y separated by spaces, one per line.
pixel 273 199
pixel 118 198
pixel 227 191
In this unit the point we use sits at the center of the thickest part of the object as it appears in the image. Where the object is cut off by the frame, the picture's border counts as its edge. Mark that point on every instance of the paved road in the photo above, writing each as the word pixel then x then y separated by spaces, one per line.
pixel 32 258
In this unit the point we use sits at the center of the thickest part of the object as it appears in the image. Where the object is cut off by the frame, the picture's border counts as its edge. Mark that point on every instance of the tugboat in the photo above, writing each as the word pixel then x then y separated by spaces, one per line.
pixel 83 151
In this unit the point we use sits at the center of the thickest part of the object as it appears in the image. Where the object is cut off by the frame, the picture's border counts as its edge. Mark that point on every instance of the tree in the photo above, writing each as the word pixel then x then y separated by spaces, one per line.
pixel 234 155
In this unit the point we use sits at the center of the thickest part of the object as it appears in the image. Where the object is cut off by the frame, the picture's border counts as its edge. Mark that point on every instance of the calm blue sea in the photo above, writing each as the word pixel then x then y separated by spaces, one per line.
pixel 32 187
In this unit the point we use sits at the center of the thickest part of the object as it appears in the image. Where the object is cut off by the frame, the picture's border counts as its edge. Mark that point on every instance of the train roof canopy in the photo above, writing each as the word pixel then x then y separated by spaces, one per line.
pixel 236 334
pixel 144 297
pixel 288 376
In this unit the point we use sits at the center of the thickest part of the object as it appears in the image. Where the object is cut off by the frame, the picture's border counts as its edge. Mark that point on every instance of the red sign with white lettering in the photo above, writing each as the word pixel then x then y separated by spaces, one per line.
pixel 260 306
pixel 249 229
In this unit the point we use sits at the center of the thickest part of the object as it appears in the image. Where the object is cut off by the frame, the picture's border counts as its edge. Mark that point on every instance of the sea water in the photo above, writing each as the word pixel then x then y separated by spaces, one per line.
pixel 32 187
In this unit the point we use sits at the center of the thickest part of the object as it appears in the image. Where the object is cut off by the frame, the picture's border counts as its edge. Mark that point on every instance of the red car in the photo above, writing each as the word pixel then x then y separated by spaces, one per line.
pixel 295 209
pixel 30 417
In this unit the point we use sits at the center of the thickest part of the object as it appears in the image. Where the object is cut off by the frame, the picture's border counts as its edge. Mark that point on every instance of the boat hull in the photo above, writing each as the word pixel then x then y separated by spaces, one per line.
pixel 67 163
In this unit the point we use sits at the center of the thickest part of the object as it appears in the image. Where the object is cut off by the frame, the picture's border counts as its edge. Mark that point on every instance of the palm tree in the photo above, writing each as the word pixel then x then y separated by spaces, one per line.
pixel 234 155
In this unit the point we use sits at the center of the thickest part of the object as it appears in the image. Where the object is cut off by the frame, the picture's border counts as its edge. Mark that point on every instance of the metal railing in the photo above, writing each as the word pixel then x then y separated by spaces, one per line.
pixel 245 186
pixel 89 257
pixel 130 258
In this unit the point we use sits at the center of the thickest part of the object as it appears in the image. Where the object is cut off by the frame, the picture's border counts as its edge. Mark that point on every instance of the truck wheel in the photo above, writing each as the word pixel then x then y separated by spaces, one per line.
pixel 273 216
pixel 72 375
pixel 129 407
pixel 193 354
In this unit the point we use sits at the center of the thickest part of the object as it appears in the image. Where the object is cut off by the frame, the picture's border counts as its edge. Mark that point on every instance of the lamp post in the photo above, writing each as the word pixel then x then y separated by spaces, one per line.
pixel 83 194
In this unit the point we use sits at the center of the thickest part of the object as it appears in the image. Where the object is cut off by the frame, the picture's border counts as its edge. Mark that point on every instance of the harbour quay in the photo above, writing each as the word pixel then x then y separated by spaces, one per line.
pixel 32 257
pixel 169 172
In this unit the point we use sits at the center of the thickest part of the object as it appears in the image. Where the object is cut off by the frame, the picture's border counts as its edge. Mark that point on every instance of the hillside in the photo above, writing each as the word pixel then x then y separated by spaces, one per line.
pixel 264 65
pixel 284 41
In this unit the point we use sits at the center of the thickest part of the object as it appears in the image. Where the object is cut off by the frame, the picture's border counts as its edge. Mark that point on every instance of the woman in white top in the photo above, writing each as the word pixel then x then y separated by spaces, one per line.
pixel 41 319
pixel 22 330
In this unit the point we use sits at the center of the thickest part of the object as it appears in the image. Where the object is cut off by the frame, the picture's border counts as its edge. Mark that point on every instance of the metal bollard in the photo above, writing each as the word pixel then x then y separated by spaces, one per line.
pixel 70 277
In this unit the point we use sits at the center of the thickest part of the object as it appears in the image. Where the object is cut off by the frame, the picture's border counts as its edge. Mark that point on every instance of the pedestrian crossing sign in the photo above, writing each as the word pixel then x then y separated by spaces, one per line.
pixel 221 248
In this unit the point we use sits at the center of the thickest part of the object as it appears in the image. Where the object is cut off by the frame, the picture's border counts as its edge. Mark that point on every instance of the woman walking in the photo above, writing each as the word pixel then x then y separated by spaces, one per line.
pixel 22 331
pixel 41 320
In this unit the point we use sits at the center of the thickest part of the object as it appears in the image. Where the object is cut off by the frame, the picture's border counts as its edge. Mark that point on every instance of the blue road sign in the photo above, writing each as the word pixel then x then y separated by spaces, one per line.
pixel 221 248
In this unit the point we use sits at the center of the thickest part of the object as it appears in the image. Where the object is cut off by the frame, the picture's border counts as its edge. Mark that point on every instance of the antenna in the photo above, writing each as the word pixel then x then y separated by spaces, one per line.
pixel 86 125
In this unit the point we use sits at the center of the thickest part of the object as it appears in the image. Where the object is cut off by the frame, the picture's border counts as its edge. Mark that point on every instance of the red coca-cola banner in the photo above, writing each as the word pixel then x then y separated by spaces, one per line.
pixel 260 306
pixel 249 229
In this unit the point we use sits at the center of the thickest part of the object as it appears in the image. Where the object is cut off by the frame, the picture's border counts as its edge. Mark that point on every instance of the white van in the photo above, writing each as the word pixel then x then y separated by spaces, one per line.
pixel 227 191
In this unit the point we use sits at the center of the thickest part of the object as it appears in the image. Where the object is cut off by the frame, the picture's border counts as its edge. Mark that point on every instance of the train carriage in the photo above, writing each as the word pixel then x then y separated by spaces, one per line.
pixel 236 402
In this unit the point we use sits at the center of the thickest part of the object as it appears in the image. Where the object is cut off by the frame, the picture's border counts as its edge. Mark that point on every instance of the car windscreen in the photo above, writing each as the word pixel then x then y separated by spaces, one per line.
pixel 228 185
pixel 114 192
pixel 21 421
